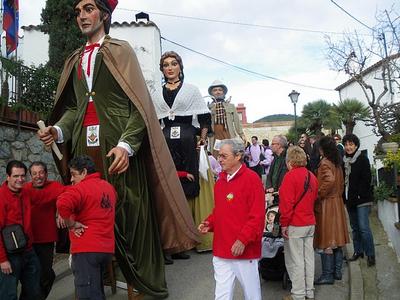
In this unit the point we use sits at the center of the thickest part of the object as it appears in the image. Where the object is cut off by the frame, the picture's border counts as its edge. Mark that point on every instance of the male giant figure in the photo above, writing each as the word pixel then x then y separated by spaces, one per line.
pixel 103 109
pixel 224 117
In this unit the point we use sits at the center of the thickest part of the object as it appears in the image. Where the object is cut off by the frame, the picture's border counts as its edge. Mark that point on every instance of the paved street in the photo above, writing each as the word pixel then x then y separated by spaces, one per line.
pixel 193 279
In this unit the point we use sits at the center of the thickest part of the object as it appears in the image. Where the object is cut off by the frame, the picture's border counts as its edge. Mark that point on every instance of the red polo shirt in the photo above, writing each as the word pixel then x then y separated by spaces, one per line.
pixel 15 209
pixel 44 227
pixel 239 214
pixel 92 203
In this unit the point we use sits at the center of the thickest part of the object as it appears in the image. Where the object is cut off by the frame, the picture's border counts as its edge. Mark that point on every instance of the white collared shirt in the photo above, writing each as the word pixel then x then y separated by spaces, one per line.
pixel 85 59
pixel 230 177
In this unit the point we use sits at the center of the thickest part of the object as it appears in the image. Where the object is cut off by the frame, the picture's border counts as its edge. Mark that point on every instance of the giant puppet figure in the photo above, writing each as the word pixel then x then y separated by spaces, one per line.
pixel 224 117
pixel 103 109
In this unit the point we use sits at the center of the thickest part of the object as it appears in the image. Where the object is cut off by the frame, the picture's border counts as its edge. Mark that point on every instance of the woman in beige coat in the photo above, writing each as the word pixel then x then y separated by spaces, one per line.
pixel 331 232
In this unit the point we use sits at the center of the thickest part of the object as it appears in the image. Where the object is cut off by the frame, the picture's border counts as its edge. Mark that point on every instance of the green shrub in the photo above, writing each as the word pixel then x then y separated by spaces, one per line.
pixel 383 192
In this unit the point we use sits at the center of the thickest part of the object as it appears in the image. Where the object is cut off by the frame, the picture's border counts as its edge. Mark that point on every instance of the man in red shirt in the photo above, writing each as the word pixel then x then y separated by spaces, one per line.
pixel 297 195
pixel 15 208
pixel 44 228
pixel 88 208
pixel 237 222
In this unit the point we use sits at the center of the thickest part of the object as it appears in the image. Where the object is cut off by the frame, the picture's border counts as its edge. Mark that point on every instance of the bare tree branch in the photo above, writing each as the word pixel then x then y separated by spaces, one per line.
pixel 354 53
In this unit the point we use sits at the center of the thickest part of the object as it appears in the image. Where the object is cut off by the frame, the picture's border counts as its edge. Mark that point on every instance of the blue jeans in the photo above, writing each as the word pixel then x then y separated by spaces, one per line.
pixel 362 236
pixel 88 269
pixel 25 269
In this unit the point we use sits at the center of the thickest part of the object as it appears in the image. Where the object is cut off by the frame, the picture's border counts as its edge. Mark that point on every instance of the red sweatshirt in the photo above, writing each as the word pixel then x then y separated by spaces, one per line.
pixel 92 203
pixel 289 193
pixel 11 213
pixel 44 227
pixel 239 214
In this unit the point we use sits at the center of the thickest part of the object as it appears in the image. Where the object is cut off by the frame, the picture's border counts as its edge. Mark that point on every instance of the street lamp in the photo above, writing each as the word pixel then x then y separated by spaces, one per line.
pixel 294 96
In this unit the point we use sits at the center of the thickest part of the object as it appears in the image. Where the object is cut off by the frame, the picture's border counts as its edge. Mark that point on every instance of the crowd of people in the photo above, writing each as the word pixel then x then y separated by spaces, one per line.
pixel 312 193
pixel 148 174
pixel 342 181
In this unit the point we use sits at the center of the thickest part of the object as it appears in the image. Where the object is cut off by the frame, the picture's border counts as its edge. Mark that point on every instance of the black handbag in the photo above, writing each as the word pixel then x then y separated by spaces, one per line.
pixel 14 238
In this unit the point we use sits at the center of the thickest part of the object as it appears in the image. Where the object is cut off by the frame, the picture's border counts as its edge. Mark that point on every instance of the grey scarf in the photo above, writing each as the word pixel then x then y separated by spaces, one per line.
pixel 347 167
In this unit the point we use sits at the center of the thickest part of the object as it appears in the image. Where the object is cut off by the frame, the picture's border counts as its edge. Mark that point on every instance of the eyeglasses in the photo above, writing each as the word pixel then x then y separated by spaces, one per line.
pixel 223 156
pixel 337 139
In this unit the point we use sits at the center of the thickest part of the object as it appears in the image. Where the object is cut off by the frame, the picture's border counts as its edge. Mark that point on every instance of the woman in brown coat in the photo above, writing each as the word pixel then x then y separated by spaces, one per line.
pixel 331 232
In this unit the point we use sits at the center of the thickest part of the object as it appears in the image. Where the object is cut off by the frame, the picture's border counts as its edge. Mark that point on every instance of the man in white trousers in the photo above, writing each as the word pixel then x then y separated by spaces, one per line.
pixel 237 222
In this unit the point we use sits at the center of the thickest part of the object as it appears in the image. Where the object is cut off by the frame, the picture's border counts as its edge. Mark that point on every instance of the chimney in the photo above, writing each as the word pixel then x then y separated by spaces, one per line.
pixel 142 17
pixel 241 110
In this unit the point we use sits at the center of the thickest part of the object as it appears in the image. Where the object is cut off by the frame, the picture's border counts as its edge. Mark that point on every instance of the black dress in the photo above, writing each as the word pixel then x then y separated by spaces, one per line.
pixel 183 146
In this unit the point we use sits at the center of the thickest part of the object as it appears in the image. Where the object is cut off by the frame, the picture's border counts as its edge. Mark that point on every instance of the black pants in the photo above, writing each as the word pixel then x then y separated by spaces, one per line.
pixel 45 253
pixel 88 269
pixel 258 169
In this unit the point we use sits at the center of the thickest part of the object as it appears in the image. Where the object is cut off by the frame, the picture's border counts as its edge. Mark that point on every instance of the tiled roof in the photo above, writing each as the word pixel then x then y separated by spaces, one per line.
pixel 114 24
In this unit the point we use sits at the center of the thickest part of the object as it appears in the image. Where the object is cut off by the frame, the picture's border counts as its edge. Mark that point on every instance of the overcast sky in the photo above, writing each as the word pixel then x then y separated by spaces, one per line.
pixel 295 56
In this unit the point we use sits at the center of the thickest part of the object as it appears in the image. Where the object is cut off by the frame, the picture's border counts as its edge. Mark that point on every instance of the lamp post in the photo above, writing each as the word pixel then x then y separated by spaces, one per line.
pixel 294 96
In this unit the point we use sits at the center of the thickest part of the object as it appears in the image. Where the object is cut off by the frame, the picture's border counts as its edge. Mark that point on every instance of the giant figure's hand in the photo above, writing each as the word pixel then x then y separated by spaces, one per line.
pixel 6 267
pixel 190 177
pixel 48 135
pixel 121 160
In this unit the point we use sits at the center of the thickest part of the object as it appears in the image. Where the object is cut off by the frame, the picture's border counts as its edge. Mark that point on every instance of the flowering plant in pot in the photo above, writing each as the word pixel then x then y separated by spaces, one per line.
pixel 392 161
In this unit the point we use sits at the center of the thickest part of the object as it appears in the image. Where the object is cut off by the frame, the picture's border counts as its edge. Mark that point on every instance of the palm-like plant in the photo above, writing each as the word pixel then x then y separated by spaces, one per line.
pixel 351 110
pixel 316 115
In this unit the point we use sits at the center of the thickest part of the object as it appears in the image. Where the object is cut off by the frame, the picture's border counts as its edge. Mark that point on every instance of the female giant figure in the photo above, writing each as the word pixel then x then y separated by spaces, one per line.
pixel 184 116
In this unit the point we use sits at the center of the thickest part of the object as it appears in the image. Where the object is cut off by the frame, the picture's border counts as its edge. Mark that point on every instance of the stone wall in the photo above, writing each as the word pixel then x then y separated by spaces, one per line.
pixel 266 130
pixel 24 146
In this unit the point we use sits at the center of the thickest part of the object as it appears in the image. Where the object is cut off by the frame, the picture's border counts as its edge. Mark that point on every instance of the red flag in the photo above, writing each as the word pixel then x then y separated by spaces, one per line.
pixel 11 24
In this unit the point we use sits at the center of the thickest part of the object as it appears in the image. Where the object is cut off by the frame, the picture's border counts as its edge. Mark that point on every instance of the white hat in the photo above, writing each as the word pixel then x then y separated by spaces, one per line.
pixel 217 83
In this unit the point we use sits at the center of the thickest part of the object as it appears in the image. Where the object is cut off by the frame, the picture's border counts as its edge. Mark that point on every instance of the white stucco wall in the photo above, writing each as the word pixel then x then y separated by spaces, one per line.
pixel 144 38
pixel 34 48
pixel 389 214
pixel 146 41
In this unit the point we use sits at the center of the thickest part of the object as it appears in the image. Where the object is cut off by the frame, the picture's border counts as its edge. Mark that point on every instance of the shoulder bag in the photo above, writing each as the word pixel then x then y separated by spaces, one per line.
pixel 14 238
